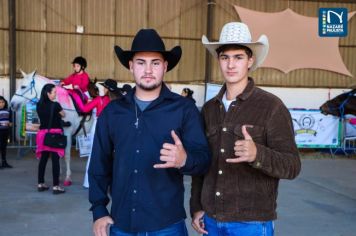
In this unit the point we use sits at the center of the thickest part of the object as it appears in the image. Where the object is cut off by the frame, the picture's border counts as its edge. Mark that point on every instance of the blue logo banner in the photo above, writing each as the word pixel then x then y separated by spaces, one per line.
pixel 332 22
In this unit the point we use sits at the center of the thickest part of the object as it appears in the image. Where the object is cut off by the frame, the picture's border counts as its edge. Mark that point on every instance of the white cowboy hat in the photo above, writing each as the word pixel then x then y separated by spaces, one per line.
pixel 238 33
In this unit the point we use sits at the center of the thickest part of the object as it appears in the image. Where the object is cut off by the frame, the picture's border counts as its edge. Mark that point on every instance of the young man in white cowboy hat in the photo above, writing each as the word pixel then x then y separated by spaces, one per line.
pixel 147 140
pixel 251 138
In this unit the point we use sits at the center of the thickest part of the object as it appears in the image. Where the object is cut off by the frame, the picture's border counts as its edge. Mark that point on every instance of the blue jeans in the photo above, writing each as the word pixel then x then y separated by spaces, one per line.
pixel 238 228
pixel 177 229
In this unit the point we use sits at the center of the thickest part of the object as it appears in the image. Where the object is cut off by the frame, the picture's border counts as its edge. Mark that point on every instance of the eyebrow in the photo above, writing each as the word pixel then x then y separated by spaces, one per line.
pixel 239 54
pixel 143 60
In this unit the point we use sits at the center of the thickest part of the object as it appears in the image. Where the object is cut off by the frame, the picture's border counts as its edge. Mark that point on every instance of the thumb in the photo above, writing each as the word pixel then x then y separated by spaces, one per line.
pixel 176 138
pixel 110 221
pixel 247 136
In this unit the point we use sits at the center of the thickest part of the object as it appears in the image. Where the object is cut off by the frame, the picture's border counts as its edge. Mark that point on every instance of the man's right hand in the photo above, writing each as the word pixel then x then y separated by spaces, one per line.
pixel 101 225
pixel 198 222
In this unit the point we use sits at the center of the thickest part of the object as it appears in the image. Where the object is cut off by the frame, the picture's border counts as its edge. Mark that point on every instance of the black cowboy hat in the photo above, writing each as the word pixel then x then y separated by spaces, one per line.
pixel 110 84
pixel 148 40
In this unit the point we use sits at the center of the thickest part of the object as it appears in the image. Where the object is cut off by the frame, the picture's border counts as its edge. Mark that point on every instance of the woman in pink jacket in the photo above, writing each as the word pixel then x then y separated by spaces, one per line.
pixel 100 102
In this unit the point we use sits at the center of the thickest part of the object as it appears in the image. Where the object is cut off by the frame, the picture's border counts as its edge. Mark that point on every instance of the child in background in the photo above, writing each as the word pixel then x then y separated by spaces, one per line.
pixel 5 123
pixel 77 83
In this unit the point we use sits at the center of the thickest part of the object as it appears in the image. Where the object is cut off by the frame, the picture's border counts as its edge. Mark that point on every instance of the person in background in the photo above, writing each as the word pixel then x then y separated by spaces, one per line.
pixel 251 137
pixel 45 106
pixel 188 93
pixel 126 88
pixel 148 140
pixel 99 103
pixel 77 83
pixel 5 123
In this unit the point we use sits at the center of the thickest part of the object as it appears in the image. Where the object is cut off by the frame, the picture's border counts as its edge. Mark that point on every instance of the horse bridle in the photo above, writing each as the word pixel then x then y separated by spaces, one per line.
pixel 341 107
pixel 32 86
pixel 35 99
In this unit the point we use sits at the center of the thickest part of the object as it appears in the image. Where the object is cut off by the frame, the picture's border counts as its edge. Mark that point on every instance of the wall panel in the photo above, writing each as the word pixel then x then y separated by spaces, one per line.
pixel 64 15
pixel 30 52
pixel 4 52
pixel 47 38
pixel 4 16
pixel 61 50
pixel 31 14
pixel 98 51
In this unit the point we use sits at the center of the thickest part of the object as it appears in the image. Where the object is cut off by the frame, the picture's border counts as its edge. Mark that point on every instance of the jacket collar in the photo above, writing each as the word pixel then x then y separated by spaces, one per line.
pixel 165 93
pixel 246 93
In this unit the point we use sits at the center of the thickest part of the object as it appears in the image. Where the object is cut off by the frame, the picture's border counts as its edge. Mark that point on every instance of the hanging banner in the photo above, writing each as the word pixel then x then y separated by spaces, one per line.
pixel 84 145
pixel 32 122
pixel 315 130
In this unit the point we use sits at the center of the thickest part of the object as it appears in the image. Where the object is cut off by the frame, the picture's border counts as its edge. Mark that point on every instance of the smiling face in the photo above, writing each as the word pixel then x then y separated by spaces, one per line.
pixel 148 69
pixel 234 65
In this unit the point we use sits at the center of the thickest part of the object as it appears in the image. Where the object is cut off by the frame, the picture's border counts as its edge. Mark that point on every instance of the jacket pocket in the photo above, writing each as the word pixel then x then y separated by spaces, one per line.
pixel 212 134
pixel 211 131
pixel 256 132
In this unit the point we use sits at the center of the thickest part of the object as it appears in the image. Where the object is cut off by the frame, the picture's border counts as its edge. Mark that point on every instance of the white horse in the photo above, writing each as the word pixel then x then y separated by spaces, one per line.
pixel 30 89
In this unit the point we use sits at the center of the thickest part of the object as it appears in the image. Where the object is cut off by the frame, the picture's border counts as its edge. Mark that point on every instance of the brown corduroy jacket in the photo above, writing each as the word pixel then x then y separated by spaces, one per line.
pixel 246 191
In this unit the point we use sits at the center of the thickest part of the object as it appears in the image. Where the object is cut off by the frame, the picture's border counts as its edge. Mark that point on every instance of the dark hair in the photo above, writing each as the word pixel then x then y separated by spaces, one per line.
pixel 227 47
pixel 126 88
pixel 6 103
pixel 44 96
pixel 189 92
pixel 81 61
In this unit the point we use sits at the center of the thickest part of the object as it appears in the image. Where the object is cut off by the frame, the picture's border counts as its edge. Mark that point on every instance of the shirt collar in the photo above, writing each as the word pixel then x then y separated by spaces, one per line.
pixel 246 93
pixel 165 93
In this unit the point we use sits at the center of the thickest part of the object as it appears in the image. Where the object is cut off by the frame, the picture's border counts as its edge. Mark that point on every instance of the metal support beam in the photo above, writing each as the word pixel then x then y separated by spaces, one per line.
pixel 209 25
pixel 12 53
pixel 12 46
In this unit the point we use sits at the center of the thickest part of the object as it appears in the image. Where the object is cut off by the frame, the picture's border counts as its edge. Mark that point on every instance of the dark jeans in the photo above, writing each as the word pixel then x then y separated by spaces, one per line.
pixel 55 167
pixel 245 228
pixel 4 135
pixel 177 229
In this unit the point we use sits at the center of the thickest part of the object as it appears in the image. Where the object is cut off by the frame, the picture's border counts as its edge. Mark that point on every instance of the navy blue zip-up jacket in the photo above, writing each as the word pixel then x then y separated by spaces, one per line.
pixel 123 155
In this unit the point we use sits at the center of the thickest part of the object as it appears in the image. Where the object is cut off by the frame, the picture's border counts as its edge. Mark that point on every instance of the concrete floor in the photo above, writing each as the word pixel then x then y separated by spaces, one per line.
pixel 321 201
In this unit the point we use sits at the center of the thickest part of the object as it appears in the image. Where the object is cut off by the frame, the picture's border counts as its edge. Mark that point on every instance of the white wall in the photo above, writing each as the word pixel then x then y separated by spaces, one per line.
pixel 5 87
pixel 309 98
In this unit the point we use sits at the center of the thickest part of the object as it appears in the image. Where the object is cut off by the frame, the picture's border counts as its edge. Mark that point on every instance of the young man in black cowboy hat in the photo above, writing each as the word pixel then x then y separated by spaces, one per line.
pixel 251 138
pixel 147 140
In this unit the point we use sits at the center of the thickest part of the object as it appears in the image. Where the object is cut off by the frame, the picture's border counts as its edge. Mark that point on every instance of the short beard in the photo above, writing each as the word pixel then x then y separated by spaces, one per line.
pixel 149 88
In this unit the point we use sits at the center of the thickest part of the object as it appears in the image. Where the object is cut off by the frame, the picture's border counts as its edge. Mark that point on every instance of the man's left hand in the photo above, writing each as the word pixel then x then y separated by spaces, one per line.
pixel 245 150
pixel 173 154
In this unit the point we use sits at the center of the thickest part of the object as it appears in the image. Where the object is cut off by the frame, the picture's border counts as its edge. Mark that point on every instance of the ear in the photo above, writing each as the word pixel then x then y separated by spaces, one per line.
pixel 23 73
pixel 165 66
pixel 250 62
pixel 130 66
pixel 32 74
pixel 95 80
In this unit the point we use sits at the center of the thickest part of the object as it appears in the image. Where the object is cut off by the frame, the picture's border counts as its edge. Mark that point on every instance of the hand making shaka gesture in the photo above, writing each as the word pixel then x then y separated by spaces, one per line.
pixel 245 150
pixel 173 154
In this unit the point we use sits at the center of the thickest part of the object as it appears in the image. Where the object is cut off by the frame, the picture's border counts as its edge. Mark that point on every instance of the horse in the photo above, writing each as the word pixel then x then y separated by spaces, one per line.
pixel 30 91
pixel 341 105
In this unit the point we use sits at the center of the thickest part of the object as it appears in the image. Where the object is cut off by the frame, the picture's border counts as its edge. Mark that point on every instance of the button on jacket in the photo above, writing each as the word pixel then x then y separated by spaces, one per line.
pixel 124 152
pixel 246 191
